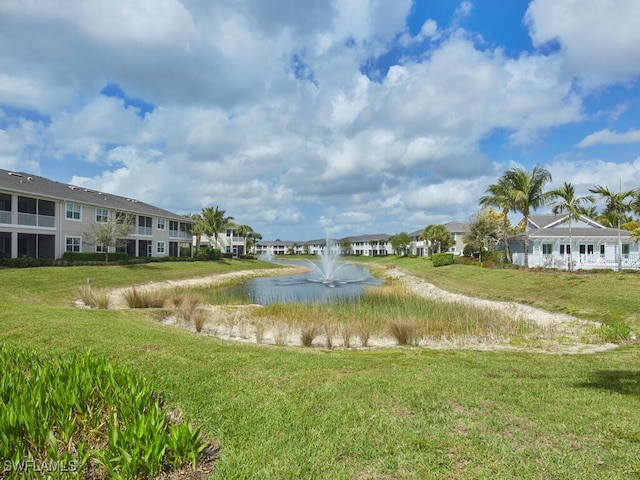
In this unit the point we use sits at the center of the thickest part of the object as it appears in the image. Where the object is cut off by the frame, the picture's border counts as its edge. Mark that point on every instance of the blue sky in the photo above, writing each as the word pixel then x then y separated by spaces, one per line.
pixel 337 117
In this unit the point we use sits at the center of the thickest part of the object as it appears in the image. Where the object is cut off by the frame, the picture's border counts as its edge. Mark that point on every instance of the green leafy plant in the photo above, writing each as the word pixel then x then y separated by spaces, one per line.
pixel 88 415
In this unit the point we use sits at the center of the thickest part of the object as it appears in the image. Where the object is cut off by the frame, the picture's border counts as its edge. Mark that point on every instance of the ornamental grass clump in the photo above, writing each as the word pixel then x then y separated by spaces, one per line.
pixel 93 298
pixel 405 332
pixel 84 415
pixel 152 298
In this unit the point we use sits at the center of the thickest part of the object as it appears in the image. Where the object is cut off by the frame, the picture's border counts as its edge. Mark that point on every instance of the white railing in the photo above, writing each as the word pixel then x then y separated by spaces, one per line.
pixel 5 217
pixel 144 231
pixel 581 261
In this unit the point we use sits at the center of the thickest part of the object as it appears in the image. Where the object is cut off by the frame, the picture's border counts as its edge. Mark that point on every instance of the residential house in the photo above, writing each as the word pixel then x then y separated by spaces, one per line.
pixel 458 230
pixel 228 242
pixel 277 247
pixel 44 218
pixel 552 239
pixel 374 245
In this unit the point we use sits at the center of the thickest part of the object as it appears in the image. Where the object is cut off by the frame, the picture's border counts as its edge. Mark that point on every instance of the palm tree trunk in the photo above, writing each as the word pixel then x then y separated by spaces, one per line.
pixel 526 240
pixel 505 241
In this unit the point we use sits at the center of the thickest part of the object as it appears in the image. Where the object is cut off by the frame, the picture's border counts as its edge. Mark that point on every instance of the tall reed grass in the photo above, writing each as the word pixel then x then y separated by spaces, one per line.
pixel 93 298
pixel 392 312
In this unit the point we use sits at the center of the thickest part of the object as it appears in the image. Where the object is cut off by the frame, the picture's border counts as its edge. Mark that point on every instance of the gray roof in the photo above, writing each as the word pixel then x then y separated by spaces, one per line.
pixel 368 238
pixel 554 226
pixel 29 184
pixel 578 232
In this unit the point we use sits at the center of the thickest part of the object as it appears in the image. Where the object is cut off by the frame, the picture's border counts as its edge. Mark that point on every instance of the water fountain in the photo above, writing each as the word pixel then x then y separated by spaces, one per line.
pixel 328 268
pixel 328 279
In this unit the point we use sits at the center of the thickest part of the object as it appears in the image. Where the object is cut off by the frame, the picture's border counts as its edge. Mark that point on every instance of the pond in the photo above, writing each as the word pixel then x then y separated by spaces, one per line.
pixel 347 283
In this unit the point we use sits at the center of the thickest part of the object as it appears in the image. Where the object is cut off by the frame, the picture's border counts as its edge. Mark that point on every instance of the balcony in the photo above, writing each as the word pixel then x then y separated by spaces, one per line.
pixel 180 234
pixel 33 220
pixel 144 231
pixel 5 217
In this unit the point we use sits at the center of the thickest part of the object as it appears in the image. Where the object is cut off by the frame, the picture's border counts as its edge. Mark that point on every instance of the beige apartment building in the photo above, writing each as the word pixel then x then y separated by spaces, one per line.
pixel 44 218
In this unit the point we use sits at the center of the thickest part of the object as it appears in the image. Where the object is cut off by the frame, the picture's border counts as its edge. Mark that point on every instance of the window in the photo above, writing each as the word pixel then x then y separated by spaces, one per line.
pixel 602 249
pixel 73 244
pixel 100 248
pixel 160 247
pixel 565 249
pixel 102 215
pixel 625 249
pixel 229 232
pixel 160 224
pixel 73 211
pixel 547 248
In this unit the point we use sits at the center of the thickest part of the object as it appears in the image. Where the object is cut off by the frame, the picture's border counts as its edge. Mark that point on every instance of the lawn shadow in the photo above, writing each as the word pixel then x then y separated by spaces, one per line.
pixel 626 382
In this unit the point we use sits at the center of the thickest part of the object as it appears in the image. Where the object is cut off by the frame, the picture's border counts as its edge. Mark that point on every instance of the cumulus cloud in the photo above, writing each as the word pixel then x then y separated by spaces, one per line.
pixel 598 38
pixel 609 137
pixel 265 109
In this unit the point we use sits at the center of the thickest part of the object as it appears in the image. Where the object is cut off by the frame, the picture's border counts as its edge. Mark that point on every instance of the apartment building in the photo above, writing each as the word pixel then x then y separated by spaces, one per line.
pixel 44 218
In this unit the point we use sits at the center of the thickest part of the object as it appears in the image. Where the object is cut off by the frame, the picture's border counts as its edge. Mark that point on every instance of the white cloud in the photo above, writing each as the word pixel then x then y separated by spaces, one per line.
pixel 238 123
pixel 608 137
pixel 598 38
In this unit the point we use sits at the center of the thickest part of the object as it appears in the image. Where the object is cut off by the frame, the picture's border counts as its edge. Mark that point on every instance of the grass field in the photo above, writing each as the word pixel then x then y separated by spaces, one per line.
pixel 399 413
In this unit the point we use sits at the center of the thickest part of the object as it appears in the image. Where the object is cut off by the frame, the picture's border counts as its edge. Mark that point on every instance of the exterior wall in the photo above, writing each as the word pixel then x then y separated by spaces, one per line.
pixel 227 242
pixel 587 254
pixel 27 234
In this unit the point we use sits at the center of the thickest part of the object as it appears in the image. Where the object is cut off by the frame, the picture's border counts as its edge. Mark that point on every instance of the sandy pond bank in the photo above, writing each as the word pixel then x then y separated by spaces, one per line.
pixel 560 333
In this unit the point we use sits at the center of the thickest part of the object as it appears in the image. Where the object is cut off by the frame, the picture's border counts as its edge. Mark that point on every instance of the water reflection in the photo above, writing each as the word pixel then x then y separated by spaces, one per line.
pixel 307 287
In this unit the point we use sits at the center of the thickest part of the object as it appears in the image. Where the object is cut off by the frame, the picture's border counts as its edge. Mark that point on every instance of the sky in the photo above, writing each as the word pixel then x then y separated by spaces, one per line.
pixel 320 118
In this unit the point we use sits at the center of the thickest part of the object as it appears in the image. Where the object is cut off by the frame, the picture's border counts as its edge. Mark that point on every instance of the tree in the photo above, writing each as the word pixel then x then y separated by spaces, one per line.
pixel 400 242
pixel 345 246
pixel 244 231
pixel 616 206
pixel 527 190
pixel 500 195
pixel 112 233
pixel 485 229
pixel 214 221
pixel 253 238
pixel 563 200
pixel 438 235
pixel 198 229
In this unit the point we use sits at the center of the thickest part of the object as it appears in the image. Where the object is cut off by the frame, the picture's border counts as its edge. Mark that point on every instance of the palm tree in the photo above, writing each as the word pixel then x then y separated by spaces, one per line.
pixel 214 221
pixel 198 229
pixel 616 206
pixel 500 195
pixel 244 231
pixel 438 234
pixel 527 189
pixel 564 200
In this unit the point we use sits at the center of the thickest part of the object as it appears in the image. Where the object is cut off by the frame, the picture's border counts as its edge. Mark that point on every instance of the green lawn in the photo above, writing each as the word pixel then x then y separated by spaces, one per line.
pixel 400 413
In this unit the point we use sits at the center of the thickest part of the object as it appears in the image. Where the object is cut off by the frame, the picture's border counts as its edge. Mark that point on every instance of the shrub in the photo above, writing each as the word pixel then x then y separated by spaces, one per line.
pixel 617 332
pixel 26 262
pixel 92 257
pixel 405 332
pixel 440 259
pixel 467 261
pixel 308 334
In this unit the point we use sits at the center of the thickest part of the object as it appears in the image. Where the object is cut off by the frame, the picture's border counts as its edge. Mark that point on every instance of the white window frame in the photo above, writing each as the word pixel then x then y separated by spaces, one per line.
pixel 73 244
pixel 73 209
pixel 549 247
pixel 160 224
pixel 102 215
pixel 160 247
